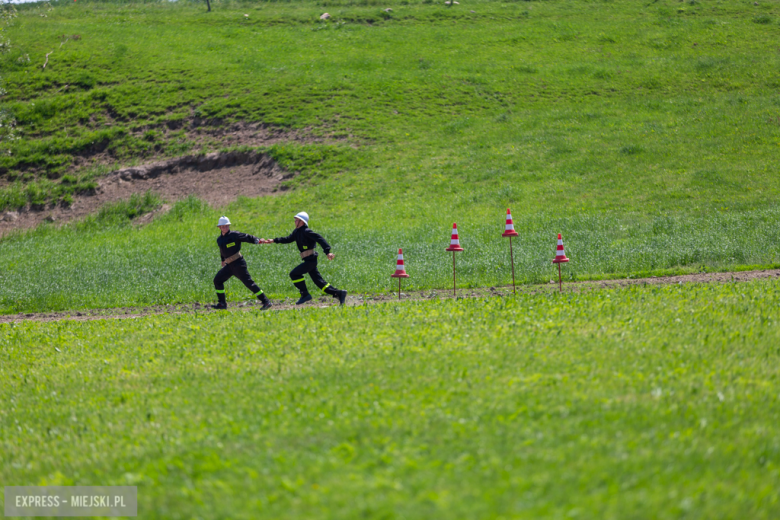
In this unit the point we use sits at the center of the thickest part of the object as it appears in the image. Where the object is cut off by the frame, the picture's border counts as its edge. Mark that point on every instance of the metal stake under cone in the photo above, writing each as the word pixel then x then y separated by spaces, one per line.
pixel 560 281
pixel 454 246
pixel 454 294
pixel 512 256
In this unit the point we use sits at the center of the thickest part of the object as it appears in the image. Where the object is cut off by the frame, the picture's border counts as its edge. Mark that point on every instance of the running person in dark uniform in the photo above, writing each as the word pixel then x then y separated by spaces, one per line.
pixel 233 264
pixel 307 240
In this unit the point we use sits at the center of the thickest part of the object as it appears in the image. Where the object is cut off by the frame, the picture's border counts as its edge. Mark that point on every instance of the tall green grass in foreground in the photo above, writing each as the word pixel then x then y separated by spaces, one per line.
pixel 106 262
pixel 646 403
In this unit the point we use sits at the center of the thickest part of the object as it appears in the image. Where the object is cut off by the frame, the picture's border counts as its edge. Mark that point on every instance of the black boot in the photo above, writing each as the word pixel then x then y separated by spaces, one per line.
pixel 222 305
pixel 265 301
pixel 340 295
pixel 305 296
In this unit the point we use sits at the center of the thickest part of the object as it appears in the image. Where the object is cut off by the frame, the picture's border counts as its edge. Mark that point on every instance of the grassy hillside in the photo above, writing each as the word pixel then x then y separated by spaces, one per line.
pixel 639 403
pixel 646 132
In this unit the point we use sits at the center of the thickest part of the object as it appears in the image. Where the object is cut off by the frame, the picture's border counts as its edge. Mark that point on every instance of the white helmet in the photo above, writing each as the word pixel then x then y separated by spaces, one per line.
pixel 303 216
pixel 223 221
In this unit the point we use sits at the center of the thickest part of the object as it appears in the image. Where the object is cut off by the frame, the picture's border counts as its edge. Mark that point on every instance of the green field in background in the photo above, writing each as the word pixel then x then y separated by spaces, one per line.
pixel 575 105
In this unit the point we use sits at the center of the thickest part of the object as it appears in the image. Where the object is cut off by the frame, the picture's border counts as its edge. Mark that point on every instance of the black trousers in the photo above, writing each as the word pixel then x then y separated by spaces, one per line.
pixel 239 270
pixel 309 265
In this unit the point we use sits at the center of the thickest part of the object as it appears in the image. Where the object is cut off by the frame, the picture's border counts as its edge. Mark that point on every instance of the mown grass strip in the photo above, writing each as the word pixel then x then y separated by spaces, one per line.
pixel 642 402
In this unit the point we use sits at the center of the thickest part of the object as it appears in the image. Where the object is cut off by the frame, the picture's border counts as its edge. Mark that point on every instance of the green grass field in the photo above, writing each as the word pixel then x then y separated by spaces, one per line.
pixel 174 259
pixel 646 132
pixel 633 403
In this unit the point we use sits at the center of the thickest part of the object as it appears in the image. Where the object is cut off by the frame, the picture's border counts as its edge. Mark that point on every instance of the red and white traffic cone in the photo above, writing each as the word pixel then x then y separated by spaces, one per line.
pixel 400 270
pixel 509 231
pixel 454 240
pixel 560 257
pixel 454 246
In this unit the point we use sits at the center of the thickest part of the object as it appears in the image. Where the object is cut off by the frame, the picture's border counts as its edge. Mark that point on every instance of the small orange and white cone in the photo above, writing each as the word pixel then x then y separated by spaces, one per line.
pixel 560 257
pixel 400 270
pixel 454 240
pixel 454 246
pixel 509 231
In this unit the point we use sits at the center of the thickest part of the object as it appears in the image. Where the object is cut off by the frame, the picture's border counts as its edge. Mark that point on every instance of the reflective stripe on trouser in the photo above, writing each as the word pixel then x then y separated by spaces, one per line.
pixel 301 286
pixel 329 289
pixel 262 297
pixel 310 266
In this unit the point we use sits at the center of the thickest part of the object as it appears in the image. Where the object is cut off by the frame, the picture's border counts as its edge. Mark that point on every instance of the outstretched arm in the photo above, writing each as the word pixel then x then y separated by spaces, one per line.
pixel 244 237
pixel 281 240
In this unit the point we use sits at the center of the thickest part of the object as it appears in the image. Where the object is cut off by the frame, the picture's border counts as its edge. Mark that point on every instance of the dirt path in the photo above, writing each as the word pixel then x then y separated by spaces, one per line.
pixel 369 299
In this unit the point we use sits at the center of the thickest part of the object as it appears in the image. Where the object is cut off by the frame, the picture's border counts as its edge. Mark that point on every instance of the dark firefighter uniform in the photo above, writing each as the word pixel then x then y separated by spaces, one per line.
pixel 229 249
pixel 306 240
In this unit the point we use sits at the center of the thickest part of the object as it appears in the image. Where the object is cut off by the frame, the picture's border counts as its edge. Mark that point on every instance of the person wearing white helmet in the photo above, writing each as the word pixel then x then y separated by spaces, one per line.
pixel 307 240
pixel 233 264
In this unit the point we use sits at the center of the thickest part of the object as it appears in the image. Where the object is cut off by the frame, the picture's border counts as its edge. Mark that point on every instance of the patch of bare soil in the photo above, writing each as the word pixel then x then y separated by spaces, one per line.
pixel 217 178
pixel 370 299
